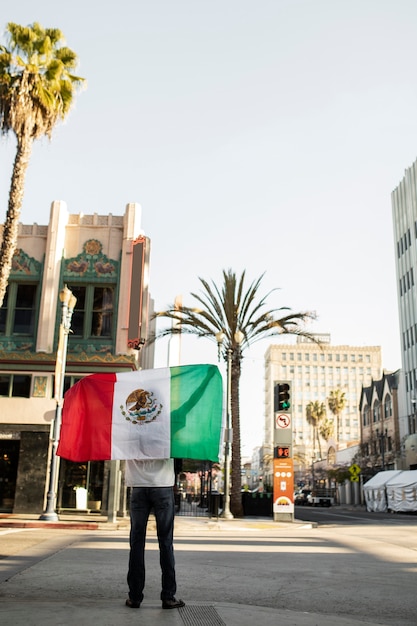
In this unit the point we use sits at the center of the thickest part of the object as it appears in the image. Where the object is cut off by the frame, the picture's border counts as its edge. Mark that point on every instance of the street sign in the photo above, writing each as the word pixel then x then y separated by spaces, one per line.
pixel 283 486
pixel 354 470
pixel 282 420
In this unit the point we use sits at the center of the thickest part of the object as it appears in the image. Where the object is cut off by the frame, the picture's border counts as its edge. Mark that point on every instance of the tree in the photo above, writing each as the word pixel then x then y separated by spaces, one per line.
pixel 36 91
pixel 337 402
pixel 326 429
pixel 239 314
pixel 315 413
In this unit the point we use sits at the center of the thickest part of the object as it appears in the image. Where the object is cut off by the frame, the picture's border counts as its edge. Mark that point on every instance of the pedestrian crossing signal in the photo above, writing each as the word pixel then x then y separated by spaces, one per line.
pixel 282 397
pixel 282 452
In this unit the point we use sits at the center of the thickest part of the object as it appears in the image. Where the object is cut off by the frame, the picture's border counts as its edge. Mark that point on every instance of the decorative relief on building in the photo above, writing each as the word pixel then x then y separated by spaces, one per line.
pixel 73 357
pixel 39 386
pixel 13 346
pixel 23 264
pixel 91 263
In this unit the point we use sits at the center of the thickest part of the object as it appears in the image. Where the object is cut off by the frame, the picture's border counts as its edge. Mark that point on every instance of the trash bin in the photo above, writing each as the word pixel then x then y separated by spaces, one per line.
pixel 80 498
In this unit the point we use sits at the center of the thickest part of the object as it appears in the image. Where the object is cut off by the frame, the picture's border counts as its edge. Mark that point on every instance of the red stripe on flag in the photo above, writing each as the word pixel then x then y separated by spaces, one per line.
pixel 86 431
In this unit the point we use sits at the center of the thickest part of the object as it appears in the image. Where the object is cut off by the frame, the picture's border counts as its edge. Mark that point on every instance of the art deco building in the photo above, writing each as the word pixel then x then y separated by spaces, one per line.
pixel 104 261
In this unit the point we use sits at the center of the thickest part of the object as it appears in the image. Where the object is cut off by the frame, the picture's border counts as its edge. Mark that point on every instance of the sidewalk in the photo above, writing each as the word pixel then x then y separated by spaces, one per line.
pixel 74 521
pixel 49 583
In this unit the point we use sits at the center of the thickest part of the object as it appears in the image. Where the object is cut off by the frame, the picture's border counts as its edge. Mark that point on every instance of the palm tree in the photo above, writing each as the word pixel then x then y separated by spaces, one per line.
pixel 315 413
pixel 239 315
pixel 36 91
pixel 326 429
pixel 337 402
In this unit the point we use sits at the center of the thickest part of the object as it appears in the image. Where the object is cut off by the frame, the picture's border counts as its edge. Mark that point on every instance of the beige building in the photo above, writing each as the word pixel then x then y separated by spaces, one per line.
pixel 104 260
pixel 313 371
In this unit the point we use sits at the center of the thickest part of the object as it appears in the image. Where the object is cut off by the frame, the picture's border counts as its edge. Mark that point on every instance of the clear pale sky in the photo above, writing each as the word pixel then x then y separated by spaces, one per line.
pixel 265 136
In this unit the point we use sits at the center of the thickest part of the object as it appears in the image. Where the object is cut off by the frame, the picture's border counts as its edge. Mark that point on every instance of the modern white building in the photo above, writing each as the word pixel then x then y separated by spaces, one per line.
pixel 313 371
pixel 404 215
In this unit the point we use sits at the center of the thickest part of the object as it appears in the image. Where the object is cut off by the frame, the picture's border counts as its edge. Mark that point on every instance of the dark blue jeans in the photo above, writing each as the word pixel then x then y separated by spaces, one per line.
pixel 142 501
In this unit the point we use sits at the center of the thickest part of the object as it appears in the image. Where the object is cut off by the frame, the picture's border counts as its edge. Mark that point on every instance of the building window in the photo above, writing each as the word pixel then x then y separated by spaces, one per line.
pixel 376 415
pixel 69 381
pixel 387 406
pixel 17 314
pixel 93 314
pixel 15 385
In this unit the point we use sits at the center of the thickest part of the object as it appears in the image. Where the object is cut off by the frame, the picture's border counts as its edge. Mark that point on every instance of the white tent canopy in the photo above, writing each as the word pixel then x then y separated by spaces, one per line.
pixel 374 490
pixel 402 492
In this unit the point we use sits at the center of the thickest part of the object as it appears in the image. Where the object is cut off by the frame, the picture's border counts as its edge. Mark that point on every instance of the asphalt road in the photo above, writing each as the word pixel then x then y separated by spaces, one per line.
pixel 360 570
pixel 353 516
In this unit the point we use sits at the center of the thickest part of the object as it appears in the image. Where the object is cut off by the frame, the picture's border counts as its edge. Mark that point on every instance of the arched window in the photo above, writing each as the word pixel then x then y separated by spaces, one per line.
pixel 387 406
pixel 376 411
pixel 366 416
pixel 331 456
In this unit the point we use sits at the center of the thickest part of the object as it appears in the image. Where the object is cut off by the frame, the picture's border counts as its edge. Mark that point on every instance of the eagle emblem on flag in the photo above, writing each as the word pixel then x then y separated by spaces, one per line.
pixel 141 407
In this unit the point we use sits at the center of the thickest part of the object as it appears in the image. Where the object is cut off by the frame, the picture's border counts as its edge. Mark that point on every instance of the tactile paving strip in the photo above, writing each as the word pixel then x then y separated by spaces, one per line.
pixel 200 616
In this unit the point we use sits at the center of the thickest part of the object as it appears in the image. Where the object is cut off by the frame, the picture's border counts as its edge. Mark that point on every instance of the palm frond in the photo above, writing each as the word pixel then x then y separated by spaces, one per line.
pixel 231 308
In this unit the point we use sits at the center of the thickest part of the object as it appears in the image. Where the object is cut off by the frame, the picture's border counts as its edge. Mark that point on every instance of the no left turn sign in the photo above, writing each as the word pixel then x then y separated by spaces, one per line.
pixel 283 421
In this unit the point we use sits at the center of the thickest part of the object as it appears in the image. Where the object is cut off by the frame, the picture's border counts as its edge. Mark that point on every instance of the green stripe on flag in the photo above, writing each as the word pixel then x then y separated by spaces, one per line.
pixel 196 412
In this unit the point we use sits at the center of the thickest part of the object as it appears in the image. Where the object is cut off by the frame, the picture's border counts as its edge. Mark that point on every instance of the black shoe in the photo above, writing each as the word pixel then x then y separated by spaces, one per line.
pixel 132 604
pixel 172 603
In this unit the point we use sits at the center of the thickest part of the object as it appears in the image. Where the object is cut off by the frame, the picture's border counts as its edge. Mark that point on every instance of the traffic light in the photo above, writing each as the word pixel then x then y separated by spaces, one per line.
pixel 282 397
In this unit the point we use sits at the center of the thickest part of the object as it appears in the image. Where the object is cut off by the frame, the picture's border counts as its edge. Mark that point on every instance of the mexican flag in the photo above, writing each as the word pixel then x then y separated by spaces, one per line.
pixel 173 412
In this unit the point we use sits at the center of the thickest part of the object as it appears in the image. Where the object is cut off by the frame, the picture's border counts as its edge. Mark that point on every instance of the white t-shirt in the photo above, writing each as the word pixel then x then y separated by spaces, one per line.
pixel 150 473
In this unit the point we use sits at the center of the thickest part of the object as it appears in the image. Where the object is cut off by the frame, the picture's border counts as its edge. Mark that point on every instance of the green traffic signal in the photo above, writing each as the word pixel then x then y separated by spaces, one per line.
pixel 282 398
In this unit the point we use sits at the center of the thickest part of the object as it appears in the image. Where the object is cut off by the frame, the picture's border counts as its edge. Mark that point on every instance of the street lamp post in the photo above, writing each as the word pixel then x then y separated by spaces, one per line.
pixel 68 301
pixel 228 435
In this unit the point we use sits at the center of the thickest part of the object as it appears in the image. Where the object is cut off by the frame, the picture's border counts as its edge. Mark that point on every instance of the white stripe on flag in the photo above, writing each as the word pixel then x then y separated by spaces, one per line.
pixel 142 434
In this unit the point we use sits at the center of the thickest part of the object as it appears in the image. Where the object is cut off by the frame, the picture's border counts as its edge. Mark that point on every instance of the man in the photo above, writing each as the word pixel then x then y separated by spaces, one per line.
pixel 152 489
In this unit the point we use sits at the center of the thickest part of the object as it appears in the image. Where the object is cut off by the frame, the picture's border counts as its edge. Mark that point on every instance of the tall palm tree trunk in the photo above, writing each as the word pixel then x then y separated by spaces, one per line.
pixel 11 226
pixel 318 441
pixel 236 489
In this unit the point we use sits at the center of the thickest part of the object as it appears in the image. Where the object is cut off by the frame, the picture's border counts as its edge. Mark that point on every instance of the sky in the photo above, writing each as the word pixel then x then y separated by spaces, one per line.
pixel 261 136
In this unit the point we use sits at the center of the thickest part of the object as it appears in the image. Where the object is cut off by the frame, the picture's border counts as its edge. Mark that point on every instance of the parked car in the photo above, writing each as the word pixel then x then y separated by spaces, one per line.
pixel 302 497
pixel 321 497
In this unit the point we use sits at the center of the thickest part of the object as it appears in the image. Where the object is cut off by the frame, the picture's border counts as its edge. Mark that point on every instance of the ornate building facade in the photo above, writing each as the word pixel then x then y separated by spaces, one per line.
pixel 104 261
